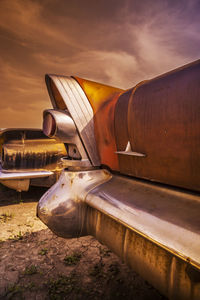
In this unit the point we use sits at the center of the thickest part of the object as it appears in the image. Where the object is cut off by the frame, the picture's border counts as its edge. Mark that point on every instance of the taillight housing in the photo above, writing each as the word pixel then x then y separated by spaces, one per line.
pixel 59 125
pixel 49 125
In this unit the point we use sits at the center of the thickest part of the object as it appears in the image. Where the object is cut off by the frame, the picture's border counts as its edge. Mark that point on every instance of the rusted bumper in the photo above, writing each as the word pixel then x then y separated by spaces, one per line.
pixel 154 229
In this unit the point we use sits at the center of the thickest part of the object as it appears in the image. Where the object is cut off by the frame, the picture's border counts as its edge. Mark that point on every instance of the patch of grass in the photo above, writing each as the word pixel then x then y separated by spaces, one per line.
pixel 14 290
pixel 43 251
pixel 20 200
pixel 97 271
pixel 41 243
pixel 72 259
pixel 33 269
pixel 61 287
pixel 18 236
pixel 30 286
pixel 5 217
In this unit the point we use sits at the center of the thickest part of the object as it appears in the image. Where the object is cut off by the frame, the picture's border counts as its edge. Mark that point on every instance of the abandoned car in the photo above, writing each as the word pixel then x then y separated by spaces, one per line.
pixel 131 172
pixel 29 157
pixel 135 182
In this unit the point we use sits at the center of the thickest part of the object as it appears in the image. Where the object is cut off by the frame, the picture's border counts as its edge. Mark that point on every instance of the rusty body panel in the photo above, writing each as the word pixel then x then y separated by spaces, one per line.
pixel 103 99
pixel 162 120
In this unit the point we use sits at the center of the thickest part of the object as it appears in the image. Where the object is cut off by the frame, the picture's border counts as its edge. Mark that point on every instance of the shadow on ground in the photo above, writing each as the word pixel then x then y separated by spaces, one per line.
pixel 36 264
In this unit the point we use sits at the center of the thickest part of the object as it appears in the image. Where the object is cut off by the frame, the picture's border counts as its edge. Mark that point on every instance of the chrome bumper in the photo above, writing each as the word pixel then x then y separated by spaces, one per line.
pixel 154 229
pixel 20 181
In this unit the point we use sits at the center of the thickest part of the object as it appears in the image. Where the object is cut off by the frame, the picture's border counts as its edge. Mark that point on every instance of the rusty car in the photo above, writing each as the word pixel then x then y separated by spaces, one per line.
pixel 135 181
pixel 129 172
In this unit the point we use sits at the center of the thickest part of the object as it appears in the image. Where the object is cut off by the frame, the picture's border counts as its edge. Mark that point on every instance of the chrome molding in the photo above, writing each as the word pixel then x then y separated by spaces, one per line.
pixel 6 175
pixel 62 207
pixel 66 131
pixel 80 110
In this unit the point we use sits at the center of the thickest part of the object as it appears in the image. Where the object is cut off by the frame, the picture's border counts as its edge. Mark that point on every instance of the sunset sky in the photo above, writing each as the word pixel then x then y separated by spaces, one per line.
pixel 117 42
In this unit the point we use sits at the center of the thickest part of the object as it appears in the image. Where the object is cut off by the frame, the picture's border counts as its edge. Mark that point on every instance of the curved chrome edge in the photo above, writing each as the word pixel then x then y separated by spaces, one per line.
pixel 79 109
pixel 62 208
pixel 136 220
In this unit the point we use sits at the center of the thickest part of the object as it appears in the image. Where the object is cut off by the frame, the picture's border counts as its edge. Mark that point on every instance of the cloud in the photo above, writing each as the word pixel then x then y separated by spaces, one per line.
pixel 25 21
pixel 106 41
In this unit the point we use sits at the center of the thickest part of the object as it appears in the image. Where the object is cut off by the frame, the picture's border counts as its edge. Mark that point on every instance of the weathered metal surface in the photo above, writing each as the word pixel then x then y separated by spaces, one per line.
pixel 174 277
pixel 154 229
pixel 6 175
pixel 27 154
pixel 161 119
pixel 103 99
pixel 32 154
pixel 62 208
pixel 66 92
pixel 154 132
pixel 31 151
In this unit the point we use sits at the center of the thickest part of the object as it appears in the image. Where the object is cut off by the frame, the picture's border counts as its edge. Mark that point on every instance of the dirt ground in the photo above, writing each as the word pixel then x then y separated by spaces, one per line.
pixel 36 264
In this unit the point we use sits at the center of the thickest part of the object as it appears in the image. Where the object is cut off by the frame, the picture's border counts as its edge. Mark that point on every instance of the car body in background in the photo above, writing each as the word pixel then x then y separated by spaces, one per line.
pixel 28 157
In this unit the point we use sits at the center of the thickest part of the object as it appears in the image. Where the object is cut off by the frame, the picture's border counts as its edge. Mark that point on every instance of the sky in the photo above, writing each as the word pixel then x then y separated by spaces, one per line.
pixel 116 42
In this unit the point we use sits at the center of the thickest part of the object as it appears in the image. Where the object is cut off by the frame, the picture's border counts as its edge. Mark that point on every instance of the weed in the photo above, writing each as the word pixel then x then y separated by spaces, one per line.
pixel 14 290
pixel 18 236
pixel 43 251
pixel 5 217
pixel 30 286
pixel 72 259
pixel 41 243
pixel 31 270
pixel 97 271
pixel 62 286
pixel 20 200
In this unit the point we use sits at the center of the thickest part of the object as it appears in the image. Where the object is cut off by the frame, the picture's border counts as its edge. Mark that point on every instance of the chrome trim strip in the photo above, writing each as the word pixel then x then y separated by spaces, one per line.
pixel 79 109
pixel 17 175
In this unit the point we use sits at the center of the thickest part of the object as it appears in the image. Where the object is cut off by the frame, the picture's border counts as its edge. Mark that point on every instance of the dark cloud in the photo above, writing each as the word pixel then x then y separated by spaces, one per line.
pixel 118 42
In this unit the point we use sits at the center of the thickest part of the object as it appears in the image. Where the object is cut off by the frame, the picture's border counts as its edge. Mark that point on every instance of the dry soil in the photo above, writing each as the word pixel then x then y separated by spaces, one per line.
pixel 36 264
